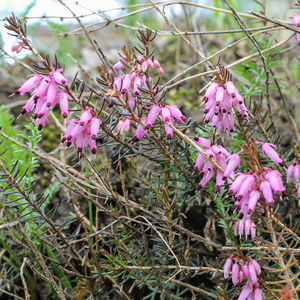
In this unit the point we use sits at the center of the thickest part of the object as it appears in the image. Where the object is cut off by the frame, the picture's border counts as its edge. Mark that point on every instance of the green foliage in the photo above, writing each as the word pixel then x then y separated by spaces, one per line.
pixel 254 73
pixel 6 123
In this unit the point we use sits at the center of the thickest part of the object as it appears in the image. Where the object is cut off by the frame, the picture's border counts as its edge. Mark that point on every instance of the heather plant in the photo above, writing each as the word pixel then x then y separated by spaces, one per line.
pixel 145 200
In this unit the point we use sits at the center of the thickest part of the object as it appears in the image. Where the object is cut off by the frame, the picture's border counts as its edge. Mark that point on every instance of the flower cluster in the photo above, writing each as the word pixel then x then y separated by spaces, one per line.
pixel 167 113
pixel 45 95
pixel 129 86
pixel 83 130
pixel 245 226
pixel 216 153
pixel 248 269
pixel 219 100
pixel 249 187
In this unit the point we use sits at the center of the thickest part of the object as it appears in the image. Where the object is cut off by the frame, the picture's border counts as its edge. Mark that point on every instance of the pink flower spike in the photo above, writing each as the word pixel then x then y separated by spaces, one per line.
pixel 248 223
pixel 241 276
pixel 118 66
pixel 267 149
pixel 126 82
pixel 235 274
pixel 246 186
pixel 219 180
pixel 289 172
pixel 245 270
pixel 253 198
pixel 156 64
pixel 241 227
pixel 52 94
pixel 231 89
pixel 253 231
pixel 266 190
pixel 199 162
pixel 70 127
pixel 202 142
pixel 42 121
pixel 246 291
pixel 165 113
pixel 42 88
pixel 30 83
pixel 59 78
pixel 169 130
pixel 274 178
pixel 252 272
pixel 150 63
pixel 85 117
pixel 298 38
pixel 234 161
pixel 140 131
pixel 235 186
pixel 152 116
pixel 132 76
pixel 95 125
pixel 256 266
pixel 63 98
pixel 81 140
pixel 92 144
pixel 145 66
pixel 212 89
pixel 258 294
pixel 123 126
pixel 297 173
pixel 161 71
pixel 227 267
pixel 296 20
pixel 176 112
pixel 28 106
pixel 219 95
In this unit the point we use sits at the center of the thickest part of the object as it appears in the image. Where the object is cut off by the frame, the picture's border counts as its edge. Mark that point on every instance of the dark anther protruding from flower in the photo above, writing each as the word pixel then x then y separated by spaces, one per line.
pixel 23 111
pixel 69 144
pixel 199 187
pixel 63 139
pixel 196 138
pixel 40 127
pixel 134 139
pixel 94 151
